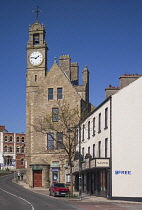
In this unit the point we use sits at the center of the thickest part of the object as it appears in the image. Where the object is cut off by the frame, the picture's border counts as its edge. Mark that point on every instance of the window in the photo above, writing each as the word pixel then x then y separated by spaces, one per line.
pixel 93 150
pixel 22 149
pixel 77 136
pixel 88 150
pixel 10 149
pixel 36 39
pixel 35 77
pixel 22 161
pixel 10 138
pixel 99 149
pixel 23 139
pixel 106 147
pixel 50 139
pixel 59 93
pixel 106 118
pixel 94 126
pixel 89 130
pixel 18 149
pixel 5 138
pixel 83 152
pixel 50 93
pixel 17 139
pixel 55 114
pixel 5 149
pixel 60 140
pixel 83 133
pixel 99 124
pixel 68 178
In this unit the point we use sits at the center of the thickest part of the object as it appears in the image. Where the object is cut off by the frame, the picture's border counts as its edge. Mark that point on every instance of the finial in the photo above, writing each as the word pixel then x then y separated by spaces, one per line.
pixel 37 12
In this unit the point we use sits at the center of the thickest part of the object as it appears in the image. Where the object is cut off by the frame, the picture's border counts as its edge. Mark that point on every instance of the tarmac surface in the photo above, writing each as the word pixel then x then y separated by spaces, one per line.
pixel 84 197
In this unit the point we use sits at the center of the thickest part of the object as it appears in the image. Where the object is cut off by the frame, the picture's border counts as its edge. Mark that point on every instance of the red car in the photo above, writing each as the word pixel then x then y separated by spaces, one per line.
pixel 58 189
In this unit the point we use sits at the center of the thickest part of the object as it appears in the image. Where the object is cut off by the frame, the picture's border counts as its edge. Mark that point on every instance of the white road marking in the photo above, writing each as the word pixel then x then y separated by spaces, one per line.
pixel 18 197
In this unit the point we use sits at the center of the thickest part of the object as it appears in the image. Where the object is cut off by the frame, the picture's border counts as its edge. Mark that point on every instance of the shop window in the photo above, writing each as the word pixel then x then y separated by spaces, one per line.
pixel 50 93
pixel 68 178
pixel 55 113
pixel 50 139
pixel 55 175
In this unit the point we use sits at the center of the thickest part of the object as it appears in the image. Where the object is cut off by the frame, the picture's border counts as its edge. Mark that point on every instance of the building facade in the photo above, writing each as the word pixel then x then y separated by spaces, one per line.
pixel 44 89
pixel 110 144
pixel 12 149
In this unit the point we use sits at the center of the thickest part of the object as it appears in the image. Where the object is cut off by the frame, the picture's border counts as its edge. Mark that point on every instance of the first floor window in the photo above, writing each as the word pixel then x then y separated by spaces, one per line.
pixel 5 149
pixel 59 93
pixel 106 147
pixel 55 114
pixel 18 149
pixel 50 93
pixel 17 139
pixel 10 149
pixel 22 149
pixel 50 139
pixel 23 139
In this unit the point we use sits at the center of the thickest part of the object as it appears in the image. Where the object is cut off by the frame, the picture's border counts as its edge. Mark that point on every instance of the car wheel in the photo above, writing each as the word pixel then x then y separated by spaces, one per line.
pixel 54 194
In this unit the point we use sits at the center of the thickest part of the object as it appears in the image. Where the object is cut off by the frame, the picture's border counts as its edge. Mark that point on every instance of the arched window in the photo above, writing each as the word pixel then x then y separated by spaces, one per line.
pixel 10 139
pixel 18 149
pixel 5 148
pixel 10 149
pixel 22 161
pixel 23 139
pixel 17 139
pixel 5 138
pixel 22 149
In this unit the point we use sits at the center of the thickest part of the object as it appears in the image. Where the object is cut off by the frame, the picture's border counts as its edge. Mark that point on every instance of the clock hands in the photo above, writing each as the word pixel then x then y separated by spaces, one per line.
pixel 35 57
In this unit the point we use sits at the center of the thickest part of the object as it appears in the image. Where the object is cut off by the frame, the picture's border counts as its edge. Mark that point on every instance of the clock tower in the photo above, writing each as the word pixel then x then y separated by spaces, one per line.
pixel 36 54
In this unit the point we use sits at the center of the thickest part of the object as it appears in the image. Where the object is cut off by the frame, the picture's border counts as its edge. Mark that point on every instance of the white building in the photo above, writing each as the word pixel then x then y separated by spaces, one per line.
pixel 111 142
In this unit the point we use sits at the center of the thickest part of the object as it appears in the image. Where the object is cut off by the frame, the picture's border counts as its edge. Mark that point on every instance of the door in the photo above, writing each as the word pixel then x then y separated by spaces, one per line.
pixel 37 178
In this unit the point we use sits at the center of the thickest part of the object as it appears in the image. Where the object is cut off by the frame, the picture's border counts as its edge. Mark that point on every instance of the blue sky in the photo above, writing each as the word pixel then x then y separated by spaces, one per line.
pixel 105 35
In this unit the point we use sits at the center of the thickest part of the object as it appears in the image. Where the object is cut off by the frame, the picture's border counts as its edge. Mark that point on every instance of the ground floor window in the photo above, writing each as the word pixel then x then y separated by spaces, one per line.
pixel 55 176
pixel 68 178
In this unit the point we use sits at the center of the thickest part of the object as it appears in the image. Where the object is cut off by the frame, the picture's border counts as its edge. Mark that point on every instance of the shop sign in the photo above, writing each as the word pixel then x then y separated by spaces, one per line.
pixel 123 172
pixel 37 168
pixel 83 166
pixel 102 162
pixel 92 163
pixel 87 163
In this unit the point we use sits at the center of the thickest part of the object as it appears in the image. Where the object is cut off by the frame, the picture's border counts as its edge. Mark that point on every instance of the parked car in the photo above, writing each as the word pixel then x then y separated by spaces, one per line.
pixel 58 189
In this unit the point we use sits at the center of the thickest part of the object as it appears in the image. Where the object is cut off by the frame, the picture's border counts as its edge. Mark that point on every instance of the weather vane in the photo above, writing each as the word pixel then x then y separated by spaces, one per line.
pixel 37 12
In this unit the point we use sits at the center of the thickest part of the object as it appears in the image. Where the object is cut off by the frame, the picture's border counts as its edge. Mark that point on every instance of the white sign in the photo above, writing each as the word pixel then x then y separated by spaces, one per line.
pixel 102 162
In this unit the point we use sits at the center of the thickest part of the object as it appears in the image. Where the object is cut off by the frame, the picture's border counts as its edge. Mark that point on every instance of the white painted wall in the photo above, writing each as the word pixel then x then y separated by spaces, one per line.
pixel 127 141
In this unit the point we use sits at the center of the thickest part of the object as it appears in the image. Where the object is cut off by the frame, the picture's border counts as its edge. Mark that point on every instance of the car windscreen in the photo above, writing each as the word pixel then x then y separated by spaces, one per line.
pixel 59 185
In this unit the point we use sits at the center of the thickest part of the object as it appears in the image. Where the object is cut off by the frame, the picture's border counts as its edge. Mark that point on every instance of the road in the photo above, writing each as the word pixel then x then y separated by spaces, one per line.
pixel 15 197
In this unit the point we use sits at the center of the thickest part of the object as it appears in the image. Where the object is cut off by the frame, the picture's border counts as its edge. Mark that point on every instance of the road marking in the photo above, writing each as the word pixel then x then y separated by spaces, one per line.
pixel 18 197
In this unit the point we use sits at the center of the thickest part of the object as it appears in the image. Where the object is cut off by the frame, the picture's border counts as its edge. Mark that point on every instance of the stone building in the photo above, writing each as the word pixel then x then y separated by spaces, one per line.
pixel 12 149
pixel 44 88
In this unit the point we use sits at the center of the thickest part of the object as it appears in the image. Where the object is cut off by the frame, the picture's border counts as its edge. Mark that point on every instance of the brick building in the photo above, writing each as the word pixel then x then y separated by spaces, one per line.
pixel 44 89
pixel 12 149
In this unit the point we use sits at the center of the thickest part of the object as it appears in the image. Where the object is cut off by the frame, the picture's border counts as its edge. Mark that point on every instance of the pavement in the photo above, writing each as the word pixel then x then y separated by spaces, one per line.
pixel 84 197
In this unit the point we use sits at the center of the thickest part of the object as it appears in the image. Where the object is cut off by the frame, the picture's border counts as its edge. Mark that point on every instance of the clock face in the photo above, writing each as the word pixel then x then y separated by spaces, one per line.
pixel 36 58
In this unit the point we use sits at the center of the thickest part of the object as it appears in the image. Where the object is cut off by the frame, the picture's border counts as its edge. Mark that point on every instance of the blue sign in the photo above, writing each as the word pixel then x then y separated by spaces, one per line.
pixel 123 172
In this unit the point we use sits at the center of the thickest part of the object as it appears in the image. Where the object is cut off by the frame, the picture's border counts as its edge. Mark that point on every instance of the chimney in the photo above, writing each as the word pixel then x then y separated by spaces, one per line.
pixel 111 90
pixel 65 64
pixel 126 79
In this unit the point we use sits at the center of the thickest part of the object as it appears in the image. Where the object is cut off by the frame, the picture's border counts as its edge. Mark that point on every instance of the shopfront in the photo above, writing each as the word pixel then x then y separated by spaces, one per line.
pixel 94 176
